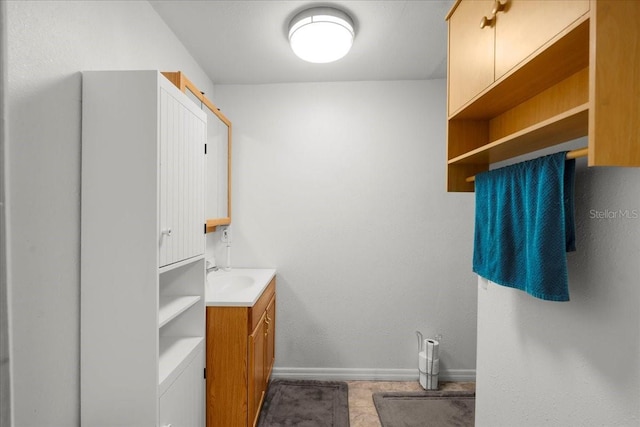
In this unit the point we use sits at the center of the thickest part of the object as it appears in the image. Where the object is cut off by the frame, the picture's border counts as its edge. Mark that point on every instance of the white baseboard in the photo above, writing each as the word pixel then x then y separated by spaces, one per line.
pixel 346 374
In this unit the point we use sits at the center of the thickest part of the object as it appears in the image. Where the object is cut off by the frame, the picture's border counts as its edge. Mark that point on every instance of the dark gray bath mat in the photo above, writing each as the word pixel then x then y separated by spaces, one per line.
pixel 426 409
pixel 305 403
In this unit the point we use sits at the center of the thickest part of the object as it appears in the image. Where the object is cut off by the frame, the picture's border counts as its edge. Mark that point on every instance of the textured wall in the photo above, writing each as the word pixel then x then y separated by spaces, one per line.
pixel 49 44
pixel 573 363
pixel 340 186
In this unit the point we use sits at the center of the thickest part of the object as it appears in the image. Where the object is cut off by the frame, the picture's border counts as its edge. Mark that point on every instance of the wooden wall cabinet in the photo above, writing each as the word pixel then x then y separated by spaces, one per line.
pixel 471 53
pixel 538 74
pixel 142 252
pixel 240 357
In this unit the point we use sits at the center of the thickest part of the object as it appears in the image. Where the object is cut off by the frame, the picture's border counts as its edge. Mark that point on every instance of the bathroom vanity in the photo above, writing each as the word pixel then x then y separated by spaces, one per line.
pixel 241 313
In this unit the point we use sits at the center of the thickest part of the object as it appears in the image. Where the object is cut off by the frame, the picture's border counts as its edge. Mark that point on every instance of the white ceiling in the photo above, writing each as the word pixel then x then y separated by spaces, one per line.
pixel 245 42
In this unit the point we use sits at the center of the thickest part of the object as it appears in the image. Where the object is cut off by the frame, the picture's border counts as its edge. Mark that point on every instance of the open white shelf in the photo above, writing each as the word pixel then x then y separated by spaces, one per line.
pixel 179 264
pixel 175 354
pixel 172 306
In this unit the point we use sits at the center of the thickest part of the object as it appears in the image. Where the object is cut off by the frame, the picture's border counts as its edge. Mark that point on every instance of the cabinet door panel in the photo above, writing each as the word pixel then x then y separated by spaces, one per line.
pixel 526 25
pixel 183 403
pixel 257 374
pixel 470 52
pixel 182 139
pixel 270 339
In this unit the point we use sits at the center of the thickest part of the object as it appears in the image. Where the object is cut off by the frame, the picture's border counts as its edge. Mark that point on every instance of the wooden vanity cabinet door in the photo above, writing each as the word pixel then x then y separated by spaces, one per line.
pixel 261 356
pixel 471 52
pixel 270 339
pixel 257 373
pixel 526 25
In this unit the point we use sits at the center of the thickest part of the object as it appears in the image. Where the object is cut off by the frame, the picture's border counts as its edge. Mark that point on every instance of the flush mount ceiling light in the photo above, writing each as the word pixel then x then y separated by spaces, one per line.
pixel 321 34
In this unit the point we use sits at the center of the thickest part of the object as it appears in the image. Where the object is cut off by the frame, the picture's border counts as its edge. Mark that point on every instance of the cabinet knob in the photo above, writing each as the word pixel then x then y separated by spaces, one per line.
pixel 486 21
pixel 498 6
pixel 166 232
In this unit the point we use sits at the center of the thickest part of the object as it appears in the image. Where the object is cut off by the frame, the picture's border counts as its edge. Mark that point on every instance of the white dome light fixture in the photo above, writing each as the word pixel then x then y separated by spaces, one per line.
pixel 321 34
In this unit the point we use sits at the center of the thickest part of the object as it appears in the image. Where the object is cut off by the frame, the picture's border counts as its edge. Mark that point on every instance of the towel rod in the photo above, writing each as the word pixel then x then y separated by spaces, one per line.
pixel 574 154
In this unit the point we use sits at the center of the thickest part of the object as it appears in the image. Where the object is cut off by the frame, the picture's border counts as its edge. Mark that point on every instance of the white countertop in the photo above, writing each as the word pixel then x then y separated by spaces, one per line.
pixel 238 287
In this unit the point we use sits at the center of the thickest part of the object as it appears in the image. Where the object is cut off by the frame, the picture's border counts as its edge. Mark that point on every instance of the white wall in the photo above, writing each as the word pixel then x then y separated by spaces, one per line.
pixel 49 44
pixel 340 186
pixel 573 363
pixel 5 390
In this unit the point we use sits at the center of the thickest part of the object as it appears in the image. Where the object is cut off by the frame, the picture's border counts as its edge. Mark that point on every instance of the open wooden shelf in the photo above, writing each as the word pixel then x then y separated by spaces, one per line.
pixel 212 224
pixel 557 129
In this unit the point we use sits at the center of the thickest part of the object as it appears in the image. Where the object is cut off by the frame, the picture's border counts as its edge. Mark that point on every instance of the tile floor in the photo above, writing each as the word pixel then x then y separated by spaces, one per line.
pixel 362 412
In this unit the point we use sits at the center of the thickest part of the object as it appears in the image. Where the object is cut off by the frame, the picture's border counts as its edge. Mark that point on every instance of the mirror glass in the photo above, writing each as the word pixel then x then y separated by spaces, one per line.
pixel 217 168
pixel 218 203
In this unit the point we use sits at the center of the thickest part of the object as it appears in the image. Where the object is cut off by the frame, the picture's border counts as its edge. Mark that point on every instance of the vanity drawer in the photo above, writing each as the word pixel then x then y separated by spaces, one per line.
pixel 256 312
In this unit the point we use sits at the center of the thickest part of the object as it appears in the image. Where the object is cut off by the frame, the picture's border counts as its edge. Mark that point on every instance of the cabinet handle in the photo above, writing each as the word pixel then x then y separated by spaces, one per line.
pixel 486 21
pixel 498 6
pixel 166 232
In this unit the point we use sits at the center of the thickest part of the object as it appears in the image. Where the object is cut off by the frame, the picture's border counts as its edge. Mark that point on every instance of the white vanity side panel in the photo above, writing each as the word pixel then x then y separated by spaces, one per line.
pixel 119 256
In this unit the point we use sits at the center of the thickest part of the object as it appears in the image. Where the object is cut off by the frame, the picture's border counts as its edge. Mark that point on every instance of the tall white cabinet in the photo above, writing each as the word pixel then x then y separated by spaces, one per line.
pixel 142 252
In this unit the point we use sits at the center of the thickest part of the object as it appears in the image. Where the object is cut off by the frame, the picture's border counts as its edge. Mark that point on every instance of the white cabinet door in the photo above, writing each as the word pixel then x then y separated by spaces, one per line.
pixel 182 405
pixel 182 132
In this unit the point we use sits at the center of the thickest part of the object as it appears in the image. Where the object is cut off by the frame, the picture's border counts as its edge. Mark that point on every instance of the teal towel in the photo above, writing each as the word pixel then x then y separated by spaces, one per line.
pixel 525 225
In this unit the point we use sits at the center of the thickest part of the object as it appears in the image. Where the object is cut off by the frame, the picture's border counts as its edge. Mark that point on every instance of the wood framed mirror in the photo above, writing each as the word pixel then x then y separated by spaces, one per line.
pixel 218 203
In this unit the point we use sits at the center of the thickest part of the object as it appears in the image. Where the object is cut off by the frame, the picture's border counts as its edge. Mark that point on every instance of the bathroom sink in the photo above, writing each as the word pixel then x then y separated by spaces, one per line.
pixel 230 282
pixel 240 287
